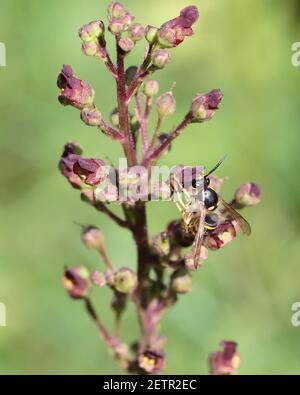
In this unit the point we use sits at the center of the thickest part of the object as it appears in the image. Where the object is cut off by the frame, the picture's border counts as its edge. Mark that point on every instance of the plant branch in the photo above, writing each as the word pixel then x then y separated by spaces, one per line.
pixel 106 58
pixel 128 143
pixel 143 123
pixel 110 131
pixel 155 155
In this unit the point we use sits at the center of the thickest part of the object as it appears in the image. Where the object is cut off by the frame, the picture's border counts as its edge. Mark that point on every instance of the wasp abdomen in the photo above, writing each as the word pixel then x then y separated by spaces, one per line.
pixel 210 199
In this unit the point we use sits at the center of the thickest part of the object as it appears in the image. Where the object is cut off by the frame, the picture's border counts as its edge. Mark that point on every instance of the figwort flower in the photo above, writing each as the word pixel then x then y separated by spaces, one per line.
pixel 166 104
pixel 71 153
pixel 174 31
pixel 220 236
pixel 160 58
pixel 74 92
pixel 126 44
pixel 91 31
pixel 247 195
pixel 225 362
pixel 151 88
pixel 136 31
pixel 91 171
pixel 75 281
pixel 151 361
pixel 204 106
pixel 119 18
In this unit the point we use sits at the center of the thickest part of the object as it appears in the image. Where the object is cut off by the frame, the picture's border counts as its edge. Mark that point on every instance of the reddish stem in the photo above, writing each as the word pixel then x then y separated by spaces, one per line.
pixel 143 123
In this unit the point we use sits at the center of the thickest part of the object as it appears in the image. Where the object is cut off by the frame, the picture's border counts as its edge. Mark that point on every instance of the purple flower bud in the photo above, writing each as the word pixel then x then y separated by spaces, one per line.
pixel 91 31
pixel 160 58
pixel 127 19
pixel 181 281
pixel 116 26
pixel 98 279
pixel 151 34
pixel 91 171
pixel 92 238
pixel 174 31
pixel 136 31
pixel 115 10
pixel 74 92
pixel 91 116
pixel 151 361
pixel 204 106
pixel 71 153
pixel 75 281
pixel 125 280
pixel 246 195
pixel 91 48
pixel 151 88
pixel 126 44
pixel 166 104
pixel 226 361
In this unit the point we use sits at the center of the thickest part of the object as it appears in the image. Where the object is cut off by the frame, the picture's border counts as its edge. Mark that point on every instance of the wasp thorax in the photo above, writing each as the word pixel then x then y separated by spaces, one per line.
pixel 210 199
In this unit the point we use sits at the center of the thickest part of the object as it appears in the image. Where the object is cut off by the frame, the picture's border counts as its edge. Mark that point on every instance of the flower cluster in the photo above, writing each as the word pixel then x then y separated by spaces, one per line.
pixel 166 261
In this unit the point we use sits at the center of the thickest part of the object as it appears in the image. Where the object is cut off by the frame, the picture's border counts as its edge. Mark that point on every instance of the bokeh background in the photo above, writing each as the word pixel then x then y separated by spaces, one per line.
pixel 245 291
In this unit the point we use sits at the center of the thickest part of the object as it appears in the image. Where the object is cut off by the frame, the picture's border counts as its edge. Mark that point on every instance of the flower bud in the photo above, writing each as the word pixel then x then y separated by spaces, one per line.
pixel 125 280
pixel 130 74
pixel 91 48
pixel 92 238
pixel 160 58
pixel 225 362
pixel 136 32
pixel 91 116
pixel 161 244
pixel 75 281
pixel 151 88
pixel 127 19
pixel 98 279
pixel 166 104
pixel 74 92
pixel 247 195
pixel 114 117
pixel 71 152
pixel 151 34
pixel 115 10
pixel 189 261
pixel 151 361
pixel 91 31
pixel 181 281
pixel 204 106
pixel 116 26
pixel 126 44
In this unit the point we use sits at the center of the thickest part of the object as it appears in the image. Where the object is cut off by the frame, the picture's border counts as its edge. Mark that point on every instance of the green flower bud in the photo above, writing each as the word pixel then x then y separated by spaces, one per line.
pixel 151 34
pixel 136 31
pixel 130 74
pixel 125 280
pixel 114 117
pixel 151 88
pixel 160 58
pixel 166 104
pixel 91 48
pixel 126 44
pixel 181 281
pixel 115 10
pixel 91 116
pixel 116 26
pixel 91 31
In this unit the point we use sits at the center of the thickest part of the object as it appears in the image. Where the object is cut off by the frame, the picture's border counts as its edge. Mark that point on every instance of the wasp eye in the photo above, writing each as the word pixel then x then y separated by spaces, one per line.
pixel 206 181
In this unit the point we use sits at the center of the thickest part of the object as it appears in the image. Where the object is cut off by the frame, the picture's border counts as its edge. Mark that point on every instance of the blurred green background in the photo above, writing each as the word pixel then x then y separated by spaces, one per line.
pixel 245 291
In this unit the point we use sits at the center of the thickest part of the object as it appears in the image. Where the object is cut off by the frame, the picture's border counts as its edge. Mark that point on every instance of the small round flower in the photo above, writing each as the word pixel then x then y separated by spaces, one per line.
pixel 248 194
pixel 204 106
pixel 160 58
pixel 92 237
pixel 115 10
pixel 166 104
pixel 91 31
pixel 116 26
pixel 75 281
pixel 91 171
pixel 181 281
pixel 126 44
pixel 136 31
pixel 151 34
pixel 151 361
pixel 98 279
pixel 91 116
pixel 125 280
pixel 151 88
pixel 226 361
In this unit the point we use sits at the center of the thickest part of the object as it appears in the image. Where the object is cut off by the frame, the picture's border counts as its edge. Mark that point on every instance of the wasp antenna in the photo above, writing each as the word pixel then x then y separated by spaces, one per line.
pixel 217 165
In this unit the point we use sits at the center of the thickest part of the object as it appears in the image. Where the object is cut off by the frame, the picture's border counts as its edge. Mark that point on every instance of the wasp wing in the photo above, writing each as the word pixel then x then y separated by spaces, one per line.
pixel 227 212
pixel 197 244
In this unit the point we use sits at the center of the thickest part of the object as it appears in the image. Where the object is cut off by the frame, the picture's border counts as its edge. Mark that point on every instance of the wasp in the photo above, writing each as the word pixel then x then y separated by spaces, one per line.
pixel 203 209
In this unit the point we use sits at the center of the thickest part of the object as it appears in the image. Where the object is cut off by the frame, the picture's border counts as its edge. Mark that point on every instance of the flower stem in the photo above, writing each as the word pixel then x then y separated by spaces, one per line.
pixel 143 123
